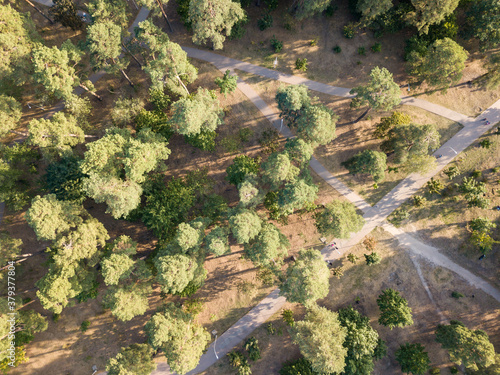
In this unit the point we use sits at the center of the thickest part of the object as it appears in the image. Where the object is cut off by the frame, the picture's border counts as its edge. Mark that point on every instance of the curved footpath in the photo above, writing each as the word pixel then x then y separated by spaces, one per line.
pixel 374 216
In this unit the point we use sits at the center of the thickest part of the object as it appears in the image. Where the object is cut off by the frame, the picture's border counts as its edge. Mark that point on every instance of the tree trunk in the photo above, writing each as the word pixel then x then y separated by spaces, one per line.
pixel 90 92
pixel 126 77
pixel 164 14
pixel 18 133
pixel 130 53
pixel 183 85
pixel 39 11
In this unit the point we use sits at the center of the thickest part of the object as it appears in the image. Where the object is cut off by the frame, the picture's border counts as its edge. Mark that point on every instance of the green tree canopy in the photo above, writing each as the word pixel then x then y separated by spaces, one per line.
pixel 245 225
pixel 242 166
pixel 127 302
pixel 387 123
pixel 11 247
pixel 296 195
pixel 320 337
pixel 217 242
pixel 182 341
pixel 166 63
pixel 381 93
pixel 64 179
pixel 175 272
pixel 307 279
pixel 441 65
pixel 56 136
pixel 134 359
pixel 64 11
pixel 394 310
pixel 292 100
pixel 10 114
pixel 299 151
pixel 200 111
pixel 413 359
pixel 268 248
pixel 278 168
pixel 115 11
pixel 227 83
pixel 339 219
pixel 467 347
pixel 116 267
pixel 307 8
pixel 368 161
pixel 370 9
pixel 249 192
pixel 316 124
pixel 213 20
pixel 484 20
pixel 429 13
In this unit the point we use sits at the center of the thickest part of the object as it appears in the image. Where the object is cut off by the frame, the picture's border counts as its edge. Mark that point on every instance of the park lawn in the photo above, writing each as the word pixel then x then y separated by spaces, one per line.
pixel 442 220
pixel 359 287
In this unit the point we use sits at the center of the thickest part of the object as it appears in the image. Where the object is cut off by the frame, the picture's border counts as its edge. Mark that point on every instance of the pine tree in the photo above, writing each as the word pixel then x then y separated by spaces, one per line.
pixel 115 11
pixel 394 310
pixel 430 12
pixel 127 302
pixel 175 272
pixel 241 167
pixel 307 8
pixel 381 93
pixel 217 241
pixel 245 225
pixel 134 359
pixel 296 195
pixel 10 114
pixel 339 219
pixel 316 124
pixel 368 161
pixel 370 9
pixel 227 83
pixel 64 11
pixel 484 20
pixel 292 100
pixel 413 359
pixel 278 168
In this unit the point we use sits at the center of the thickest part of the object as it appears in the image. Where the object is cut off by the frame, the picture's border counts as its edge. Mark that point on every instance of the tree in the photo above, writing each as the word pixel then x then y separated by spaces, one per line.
pixel 484 20
pixel 227 83
pixel 370 9
pixel 299 151
pixel 307 279
pixel 292 100
pixel 411 140
pixel 116 267
pixel 115 11
pixel 245 225
pixel 157 8
pixel 134 359
pixel 362 343
pixel 381 93
pixel 105 46
pixel 429 13
pixel 64 11
pixel 316 124
pixel 64 179
pixel 491 79
pixel 278 168
pixel 394 310
pixel 435 186
pixel 441 65
pixel 307 8
pixel 493 369
pixel 482 224
pixel 166 63
pixel 242 166
pixel 473 191
pixel 387 123
pixel 268 248
pixel 296 195
pixel 10 114
pixel 182 341
pixel 249 192
pixel 339 219
pixel 213 21
pixel 127 302
pixel 217 241
pixel 320 337
pixel 368 161
pixel 175 272
pixel 56 136
pixel 200 111
pixel 413 359
pixel 372 258
pixel 126 110
pixel 11 247
pixel 53 68
pixel 18 39
pixel 467 347
pixel 117 164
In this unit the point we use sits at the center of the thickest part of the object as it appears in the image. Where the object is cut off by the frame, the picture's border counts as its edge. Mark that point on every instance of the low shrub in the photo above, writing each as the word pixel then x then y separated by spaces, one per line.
pixel 457 295
pixel 85 325
pixel 372 258
pixel 337 49
pixel 265 22
pixel 301 64
pixel 362 51
pixel 287 316
pixel 314 42
pixel 252 347
pixel 276 44
pixel 377 47
pixel 348 31
pixel 193 306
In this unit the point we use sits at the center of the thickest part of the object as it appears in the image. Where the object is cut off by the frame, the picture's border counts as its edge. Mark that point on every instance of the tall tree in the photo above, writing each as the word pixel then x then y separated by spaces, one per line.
pixel 278 168
pixel 175 272
pixel 55 136
pixel 241 167
pixel 394 310
pixel 484 20
pixel 166 63
pixel 320 337
pixel 339 219
pixel 245 225
pixel 441 65
pixel 307 8
pixel 299 151
pixel 292 100
pixel 387 123
pixel 157 7
pixel 368 161
pixel 213 20
pixel 11 247
pixel 104 44
pixel 64 11
pixel 127 302
pixel 296 195
pixel 381 93
pixel 307 279
pixel 268 248
pixel 413 359
pixel 317 124
pixel 182 340
pixel 370 9
pixel 467 347
pixel 217 241
pixel 115 11
pixel 200 111
pixel 249 192
pixel 10 114
pixel 134 359
pixel 117 164
pixel 430 12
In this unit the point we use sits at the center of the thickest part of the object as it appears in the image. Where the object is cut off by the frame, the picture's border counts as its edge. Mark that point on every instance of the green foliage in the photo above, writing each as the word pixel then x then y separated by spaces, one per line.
pixel 352 258
pixel 413 359
pixel 155 120
pixel 236 358
pixel 491 79
pixel 377 47
pixel 217 242
pixel 175 272
pixel 348 31
pixel 126 110
pixel 10 114
pixel 301 64
pixel 85 325
pixel 64 179
pixel 238 30
pixel 320 337
pixel 368 161
pixel 64 11
pixel 307 279
pixel 245 225
pixel 394 310
pixel 447 28
pixel 337 49
pixel 485 143
pixel 287 316
pixel 296 195
pixel 227 83
pixel 435 186
pixel 370 9
pixel 276 44
pixel 362 51
pixel 215 208
pixel 182 341
pixel 134 359
pixel 193 306
pixel 482 240
pixel 428 13
pixel 417 44
pixel 204 140
pixel 265 22
pixel 457 295
pixel 473 192
pixel 115 10
pixel 252 347
pixel 339 219
pixel 467 347
pixel 316 124
pixel 372 258
pixel 268 247
pixel 269 140
pixel 278 169
pixel 213 21
pixel 307 8
pixel 452 172
pixel 482 224
pixel 250 194
pixel 484 21
pixel 419 200
pixel 381 93
pixel 300 366
pixel 127 302
pixel 242 166
pixel 292 100
pixel 441 65
pixel 299 151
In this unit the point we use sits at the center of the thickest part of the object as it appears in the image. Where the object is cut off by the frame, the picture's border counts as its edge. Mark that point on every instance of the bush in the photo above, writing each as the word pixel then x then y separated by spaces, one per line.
pixel 85 325
pixel 190 289
pixel 448 28
pixel 337 49
pixel 399 216
pixel 452 172
pixel 299 366
pixel 252 347
pixel 270 140
pixel 418 200
pixel 370 243
pixel 485 143
pixel 266 276
pixel 477 174
pixel 64 179
pixel 287 316
pixel 265 22
pixel 238 30
pixel 453 370
pixel 348 31
pixel 276 44
pixel 377 47
pixel 457 295
pixel 183 11
pixel 330 10
pixel 204 140
pixel 314 42
pixel 245 134
pixel 418 44
pixel 236 358
pixel 193 306
pixel 372 258
pixel 434 371
pixel 271 4
pixel 230 143
pixel 361 51
pixel 301 64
